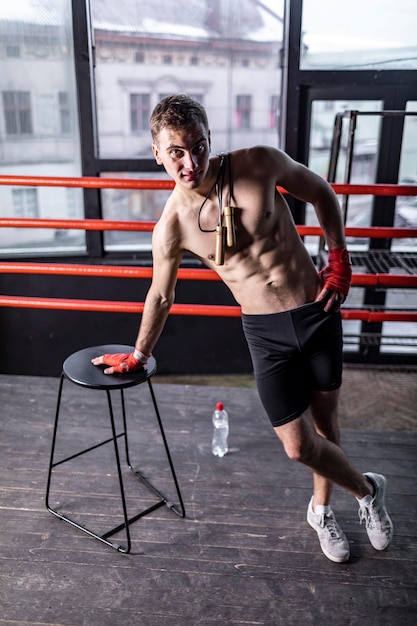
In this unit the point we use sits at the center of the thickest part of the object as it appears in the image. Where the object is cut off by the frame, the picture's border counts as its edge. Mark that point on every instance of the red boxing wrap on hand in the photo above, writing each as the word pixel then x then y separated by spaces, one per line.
pixel 337 275
pixel 122 363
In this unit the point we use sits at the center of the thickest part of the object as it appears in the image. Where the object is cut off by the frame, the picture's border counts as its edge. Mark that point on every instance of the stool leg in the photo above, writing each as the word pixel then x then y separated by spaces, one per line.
pixel 122 400
pixel 120 476
pixel 178 510
pixel 181 510
pixel 51 460
pixel 52 464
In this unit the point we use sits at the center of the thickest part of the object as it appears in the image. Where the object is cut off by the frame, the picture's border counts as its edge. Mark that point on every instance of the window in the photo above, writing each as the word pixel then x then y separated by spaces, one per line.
pixel 25 203
pixel 202 49
pixel 39 124
pixel 17 112
pixel 359 35
pixel 12 52
pixel 64 112
pixel 205 48
pixel 243 111
pixel 198 97
pixel 139 112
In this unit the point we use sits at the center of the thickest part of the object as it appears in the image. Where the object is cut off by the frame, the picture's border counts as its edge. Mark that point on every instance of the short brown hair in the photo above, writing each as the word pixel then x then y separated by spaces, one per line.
pixel 176 112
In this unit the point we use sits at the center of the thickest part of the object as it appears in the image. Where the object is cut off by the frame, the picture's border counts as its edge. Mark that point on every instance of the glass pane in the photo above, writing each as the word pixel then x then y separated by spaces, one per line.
pixel 357 35
pixel 406 207
pixel 224 53
pixel 38 123
pixel 323 113
pixel 408 161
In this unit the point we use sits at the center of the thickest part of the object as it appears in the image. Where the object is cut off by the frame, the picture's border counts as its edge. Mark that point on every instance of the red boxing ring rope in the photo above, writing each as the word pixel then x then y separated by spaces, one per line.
pixel 377 280
pixel 207 310
pixel 372 232
pixel 120 271
pixel 90 182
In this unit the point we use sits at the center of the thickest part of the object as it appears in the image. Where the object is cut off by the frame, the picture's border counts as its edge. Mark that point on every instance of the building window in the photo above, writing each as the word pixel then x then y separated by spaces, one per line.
pixel 274 111
pixel 64 112
pixel 139 112
pixel 194 60
pixel 198 97
pixel 165 95
pixel 13 51
pixel 139 57
pixel 243 111
pixel 17 112
pixel 167 59
pixel 25 203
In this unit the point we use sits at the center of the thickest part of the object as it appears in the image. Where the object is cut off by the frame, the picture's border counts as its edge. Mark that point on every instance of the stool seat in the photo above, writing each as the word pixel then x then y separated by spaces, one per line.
pixel 78 369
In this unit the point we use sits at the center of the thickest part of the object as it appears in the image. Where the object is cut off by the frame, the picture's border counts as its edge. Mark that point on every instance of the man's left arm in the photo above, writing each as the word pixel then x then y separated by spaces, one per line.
pixel 307 186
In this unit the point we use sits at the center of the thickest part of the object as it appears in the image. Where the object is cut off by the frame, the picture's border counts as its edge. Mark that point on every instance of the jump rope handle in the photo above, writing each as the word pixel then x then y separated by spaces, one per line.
pixel 230 226
pixel 219 255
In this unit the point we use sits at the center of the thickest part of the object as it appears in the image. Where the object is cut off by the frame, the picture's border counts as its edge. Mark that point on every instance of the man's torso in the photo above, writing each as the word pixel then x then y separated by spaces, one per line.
pixel 268 269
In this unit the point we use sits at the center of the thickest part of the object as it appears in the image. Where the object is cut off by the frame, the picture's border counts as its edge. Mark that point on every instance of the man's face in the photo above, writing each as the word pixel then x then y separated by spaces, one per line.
pixel 184 154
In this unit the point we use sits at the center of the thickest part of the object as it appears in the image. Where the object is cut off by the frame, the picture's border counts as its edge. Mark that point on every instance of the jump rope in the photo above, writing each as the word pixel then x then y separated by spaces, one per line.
pixel 225 234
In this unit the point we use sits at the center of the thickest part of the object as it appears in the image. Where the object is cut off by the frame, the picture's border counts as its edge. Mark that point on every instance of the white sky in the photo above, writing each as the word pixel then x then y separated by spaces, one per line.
pixel 359 24
pixel 332 25
pixel 329 25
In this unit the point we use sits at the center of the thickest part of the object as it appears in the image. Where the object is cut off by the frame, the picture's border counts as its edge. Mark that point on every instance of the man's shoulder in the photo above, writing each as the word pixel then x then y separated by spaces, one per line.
pixel 169 216
pixel 258 159
pixel 257 153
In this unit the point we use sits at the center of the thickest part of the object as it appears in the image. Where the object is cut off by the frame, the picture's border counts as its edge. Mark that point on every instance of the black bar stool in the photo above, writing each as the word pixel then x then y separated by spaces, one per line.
pixel 78 369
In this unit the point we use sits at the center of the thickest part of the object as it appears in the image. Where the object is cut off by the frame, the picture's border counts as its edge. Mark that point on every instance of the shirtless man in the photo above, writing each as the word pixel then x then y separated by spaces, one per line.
pixel 290 313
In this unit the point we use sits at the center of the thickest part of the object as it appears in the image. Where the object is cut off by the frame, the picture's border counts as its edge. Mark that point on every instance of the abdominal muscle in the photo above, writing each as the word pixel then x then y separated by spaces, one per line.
pixel 260 288
pixel 257 298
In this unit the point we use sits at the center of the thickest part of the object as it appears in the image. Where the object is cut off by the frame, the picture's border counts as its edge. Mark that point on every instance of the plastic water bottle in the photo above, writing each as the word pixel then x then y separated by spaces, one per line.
pixel 220 430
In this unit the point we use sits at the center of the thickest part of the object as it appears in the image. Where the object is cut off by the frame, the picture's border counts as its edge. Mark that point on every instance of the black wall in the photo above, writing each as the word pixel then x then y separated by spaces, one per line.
pixel 37 341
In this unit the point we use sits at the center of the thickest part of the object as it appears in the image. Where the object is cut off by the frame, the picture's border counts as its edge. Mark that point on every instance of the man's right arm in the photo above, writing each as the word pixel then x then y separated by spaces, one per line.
pixel 160 297
pixel 167 255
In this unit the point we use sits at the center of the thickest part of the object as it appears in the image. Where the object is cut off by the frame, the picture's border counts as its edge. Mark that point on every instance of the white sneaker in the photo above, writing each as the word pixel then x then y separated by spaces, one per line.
pixel 372 511
pixel 332 539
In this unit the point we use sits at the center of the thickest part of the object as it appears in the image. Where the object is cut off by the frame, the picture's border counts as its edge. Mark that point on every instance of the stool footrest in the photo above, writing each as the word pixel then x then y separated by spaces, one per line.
pixel 171 505
pixel 97 445
pixel 122 526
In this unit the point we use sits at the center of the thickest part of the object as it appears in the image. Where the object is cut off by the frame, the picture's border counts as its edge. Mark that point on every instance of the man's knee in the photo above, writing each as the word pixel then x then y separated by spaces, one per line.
pixel 300 451
pixel 298 439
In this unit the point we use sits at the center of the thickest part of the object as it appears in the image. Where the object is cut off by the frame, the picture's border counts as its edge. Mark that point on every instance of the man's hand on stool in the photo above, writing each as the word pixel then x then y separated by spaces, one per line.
pixel 121 363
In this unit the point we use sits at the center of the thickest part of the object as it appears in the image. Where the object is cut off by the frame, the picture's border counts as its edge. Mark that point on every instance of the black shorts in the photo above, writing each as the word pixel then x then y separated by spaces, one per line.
pixel 294 353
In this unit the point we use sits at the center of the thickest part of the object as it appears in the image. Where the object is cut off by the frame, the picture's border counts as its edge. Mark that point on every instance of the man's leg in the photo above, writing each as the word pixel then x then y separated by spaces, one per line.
pixel 324 413
pixel 320 516
pixel 325 458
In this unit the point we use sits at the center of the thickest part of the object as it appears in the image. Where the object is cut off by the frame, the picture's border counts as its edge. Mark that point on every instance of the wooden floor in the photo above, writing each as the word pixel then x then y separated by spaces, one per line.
pixel 244 554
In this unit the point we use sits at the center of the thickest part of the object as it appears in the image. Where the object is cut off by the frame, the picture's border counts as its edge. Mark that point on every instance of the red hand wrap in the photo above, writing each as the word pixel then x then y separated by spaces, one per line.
pixel 337 275
pixel 122 363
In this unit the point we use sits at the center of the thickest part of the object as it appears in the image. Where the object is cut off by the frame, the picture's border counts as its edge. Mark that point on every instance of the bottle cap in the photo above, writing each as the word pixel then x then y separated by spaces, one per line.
pixel 219 406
